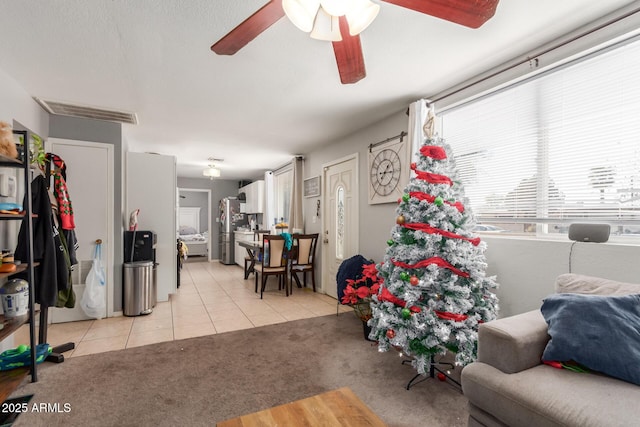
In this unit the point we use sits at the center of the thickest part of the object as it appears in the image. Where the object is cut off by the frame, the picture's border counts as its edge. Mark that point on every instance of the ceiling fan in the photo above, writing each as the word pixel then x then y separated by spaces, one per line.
pixel 309 15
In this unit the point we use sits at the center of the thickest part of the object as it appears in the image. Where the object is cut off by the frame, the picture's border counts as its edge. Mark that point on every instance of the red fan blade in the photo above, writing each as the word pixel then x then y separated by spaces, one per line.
pixel 349 55
pixel 470 13
pixel 249 29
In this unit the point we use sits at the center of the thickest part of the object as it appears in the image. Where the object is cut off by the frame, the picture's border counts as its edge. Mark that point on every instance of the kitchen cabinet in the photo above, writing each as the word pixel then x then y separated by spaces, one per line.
pixel 254 193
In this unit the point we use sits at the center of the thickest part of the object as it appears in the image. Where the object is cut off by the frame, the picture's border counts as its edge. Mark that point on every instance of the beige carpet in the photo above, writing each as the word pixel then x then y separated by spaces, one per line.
pixel 200 381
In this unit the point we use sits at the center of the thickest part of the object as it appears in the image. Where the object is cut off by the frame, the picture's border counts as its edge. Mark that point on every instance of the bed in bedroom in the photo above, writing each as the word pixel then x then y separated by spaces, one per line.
pixel 197 241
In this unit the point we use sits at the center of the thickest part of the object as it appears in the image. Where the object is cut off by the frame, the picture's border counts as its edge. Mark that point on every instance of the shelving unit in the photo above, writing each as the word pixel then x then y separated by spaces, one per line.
pixel 10 380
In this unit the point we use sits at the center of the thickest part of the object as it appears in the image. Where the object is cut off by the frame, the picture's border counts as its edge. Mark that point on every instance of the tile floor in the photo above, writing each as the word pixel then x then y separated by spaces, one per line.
pixel 213 298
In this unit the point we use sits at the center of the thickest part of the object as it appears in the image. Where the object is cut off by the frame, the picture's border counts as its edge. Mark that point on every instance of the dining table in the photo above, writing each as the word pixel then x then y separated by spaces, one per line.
pixel 254 248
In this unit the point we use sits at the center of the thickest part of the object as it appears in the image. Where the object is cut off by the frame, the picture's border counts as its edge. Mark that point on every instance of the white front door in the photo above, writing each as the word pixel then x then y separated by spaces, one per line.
pixel 340 228
pixel 90 184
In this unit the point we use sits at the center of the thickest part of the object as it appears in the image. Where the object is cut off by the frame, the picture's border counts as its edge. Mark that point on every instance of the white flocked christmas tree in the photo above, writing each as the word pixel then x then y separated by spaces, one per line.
pixel 435 292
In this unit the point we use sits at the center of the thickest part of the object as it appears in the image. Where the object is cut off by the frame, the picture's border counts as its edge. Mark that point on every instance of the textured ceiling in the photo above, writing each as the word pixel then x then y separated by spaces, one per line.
pixel 277 97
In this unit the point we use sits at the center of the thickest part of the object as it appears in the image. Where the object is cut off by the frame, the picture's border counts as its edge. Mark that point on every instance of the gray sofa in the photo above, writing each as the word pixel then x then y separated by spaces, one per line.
pixel 509 386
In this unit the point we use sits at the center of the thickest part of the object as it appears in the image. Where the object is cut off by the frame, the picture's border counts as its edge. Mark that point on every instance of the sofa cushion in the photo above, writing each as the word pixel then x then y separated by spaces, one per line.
pixel 546 396
pixel 580 284
pixel 601 332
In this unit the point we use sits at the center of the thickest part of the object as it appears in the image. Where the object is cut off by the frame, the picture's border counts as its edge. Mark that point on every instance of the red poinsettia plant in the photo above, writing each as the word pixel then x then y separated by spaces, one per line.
pixel 358 292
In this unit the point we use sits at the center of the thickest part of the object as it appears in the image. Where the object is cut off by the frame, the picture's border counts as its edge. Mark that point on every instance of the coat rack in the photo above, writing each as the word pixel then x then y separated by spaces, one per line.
pixel 56 355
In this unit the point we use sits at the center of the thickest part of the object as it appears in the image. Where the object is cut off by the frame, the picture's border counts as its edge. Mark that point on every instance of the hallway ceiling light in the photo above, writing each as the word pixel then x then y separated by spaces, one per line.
pixel 212 171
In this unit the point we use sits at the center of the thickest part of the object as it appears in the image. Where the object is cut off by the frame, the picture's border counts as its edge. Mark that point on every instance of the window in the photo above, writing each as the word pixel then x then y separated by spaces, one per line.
pixel 282 182
pixel 340 225
pixel 559 148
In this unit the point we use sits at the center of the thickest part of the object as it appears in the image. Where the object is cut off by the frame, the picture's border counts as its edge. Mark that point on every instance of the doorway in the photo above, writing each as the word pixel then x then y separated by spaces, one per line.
pixel 194 222
pixel 90 181
pixel 340 218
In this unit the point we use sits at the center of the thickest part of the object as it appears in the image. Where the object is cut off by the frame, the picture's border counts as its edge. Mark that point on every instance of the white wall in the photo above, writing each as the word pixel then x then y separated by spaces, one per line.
pixel 526 269
pixel 18 105
pixel 151 187
pixel 375 221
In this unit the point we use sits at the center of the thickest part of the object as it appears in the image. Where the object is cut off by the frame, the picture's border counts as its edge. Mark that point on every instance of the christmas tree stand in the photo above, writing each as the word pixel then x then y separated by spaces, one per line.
pixel 434 367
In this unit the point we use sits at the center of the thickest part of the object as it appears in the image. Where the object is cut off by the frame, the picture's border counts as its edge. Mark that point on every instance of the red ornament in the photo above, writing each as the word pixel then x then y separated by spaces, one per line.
pixel 441 376
pixel 391 333
pixel 414 280
pixel 400 220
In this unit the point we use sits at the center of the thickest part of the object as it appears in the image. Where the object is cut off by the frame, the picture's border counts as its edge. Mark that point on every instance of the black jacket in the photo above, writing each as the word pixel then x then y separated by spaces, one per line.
pixel 52 274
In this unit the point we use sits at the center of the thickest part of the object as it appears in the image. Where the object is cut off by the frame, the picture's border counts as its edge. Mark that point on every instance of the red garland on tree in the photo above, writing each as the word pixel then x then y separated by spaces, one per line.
pixel 432 199
pixel 432 230
pixel 433 260
pixel 433 151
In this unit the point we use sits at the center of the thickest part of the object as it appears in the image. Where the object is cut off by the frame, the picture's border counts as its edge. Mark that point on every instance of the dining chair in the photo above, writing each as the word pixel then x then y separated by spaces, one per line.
pixel 250 258
pixel 305 259
pixel 273 263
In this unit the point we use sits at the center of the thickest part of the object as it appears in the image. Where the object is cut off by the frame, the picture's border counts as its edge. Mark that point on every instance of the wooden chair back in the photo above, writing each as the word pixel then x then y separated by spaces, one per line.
pixel 259 234
pixel 274 252
pixel 306 246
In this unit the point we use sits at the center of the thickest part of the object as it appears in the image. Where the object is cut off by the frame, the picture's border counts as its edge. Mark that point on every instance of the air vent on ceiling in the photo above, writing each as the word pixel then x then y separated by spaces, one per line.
pixel 71 110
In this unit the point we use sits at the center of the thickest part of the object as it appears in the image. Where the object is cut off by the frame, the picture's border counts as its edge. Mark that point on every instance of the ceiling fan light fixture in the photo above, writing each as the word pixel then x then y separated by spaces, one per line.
pixel 301 12
pixel 337 7
pixel 361 16
pixel 326 27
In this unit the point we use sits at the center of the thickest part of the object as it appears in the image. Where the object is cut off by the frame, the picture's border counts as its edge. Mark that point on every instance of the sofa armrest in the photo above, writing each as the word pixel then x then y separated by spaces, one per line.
pixel 513 344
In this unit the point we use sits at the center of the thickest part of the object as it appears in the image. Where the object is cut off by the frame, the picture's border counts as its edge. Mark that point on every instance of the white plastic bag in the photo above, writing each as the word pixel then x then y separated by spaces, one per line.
pixel 93 301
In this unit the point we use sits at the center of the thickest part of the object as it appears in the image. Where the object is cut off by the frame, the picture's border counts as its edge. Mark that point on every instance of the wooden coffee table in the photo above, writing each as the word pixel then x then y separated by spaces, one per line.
pixel 334 408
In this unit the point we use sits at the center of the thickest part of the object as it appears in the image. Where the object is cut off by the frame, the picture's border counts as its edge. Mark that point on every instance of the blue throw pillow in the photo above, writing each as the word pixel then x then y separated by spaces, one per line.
pixel 600 332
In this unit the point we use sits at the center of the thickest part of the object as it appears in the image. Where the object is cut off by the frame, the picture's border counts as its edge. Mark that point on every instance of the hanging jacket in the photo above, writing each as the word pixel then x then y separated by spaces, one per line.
pixel 48 249
pixel 59 171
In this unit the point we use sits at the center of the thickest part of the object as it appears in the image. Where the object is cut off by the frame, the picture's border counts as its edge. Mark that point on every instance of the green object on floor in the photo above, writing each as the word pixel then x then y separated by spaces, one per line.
pixel 21 356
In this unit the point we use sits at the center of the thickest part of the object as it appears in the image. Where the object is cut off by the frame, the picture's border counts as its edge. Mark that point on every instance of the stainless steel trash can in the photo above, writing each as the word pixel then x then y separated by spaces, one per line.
pixel 138 288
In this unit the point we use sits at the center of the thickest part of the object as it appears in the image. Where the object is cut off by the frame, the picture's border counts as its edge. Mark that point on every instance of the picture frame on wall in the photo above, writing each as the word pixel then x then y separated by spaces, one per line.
pixel 311 187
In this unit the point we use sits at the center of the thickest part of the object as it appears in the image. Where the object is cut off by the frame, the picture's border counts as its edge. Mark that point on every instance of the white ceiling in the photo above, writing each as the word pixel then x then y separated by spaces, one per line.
pixel 277 97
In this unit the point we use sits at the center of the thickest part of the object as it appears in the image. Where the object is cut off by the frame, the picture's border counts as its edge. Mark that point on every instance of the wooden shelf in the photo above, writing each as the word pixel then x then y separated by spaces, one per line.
pixel 19 216
pixel 19 269
pixel 11 324
pixel 9 162
pixel 11 380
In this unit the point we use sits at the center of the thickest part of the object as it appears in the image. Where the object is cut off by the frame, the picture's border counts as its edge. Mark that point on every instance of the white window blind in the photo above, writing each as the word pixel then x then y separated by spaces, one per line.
pixel 559 148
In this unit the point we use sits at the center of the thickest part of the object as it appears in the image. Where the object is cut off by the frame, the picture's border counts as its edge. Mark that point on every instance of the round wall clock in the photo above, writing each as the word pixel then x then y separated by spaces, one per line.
pixel 388 169
pixel 385 172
